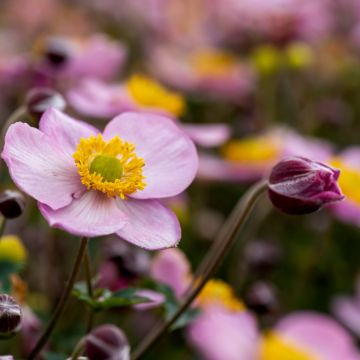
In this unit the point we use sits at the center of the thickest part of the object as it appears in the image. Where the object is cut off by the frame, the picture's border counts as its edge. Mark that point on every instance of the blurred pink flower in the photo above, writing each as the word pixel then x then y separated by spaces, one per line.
pixel 68 59
pixel 348 162
pixel 30 329
pixel 91 184
pixel 98 99
pixel 251 158
pixel 206 72
pixel 347 309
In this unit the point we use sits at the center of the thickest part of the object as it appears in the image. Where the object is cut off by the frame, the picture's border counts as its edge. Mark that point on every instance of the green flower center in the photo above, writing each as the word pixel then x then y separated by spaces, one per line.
pixel 109 167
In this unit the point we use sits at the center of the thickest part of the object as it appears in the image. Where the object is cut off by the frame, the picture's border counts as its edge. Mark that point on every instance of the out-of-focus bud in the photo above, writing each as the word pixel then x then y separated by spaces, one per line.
pixel 12 204
pixel 124 265
pixel 39 99
pixel 261 298
pixel 107 342
pixel 262 256
pixel 301 186
pixel 10 316
pixel 57 51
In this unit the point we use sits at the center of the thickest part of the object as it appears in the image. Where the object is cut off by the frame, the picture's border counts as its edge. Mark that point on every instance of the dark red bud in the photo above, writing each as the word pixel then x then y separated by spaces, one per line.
pixel 12 204
pixel 301 186
pixel 107 342
pixel 261 298
pixel 39 99
pixel 10 316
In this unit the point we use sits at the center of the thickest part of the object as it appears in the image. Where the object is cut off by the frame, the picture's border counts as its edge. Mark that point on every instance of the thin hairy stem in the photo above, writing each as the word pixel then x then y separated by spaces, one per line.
pixel 63 300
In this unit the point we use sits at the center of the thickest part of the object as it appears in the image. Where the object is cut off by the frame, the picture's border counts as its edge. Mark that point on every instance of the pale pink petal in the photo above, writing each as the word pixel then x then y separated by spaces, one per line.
pixel 95 98
pixel 65 130
pixel 156 299
pixel 170 156
pixel 218 334
pixel 318 333
pixel 150 225
pixel 40 167
pixel 347 310
pixel 208 135
pixel 172 268
pixel 93 214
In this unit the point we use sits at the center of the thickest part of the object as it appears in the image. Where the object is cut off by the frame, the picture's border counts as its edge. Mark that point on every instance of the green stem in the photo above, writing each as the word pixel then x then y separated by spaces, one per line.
pixel 90 291
pixel 63 300
pixel 79 348
pixel 2 226
pixel 212 260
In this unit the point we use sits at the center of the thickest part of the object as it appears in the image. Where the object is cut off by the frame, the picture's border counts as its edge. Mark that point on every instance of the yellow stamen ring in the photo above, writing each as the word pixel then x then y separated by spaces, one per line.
pixel 111 167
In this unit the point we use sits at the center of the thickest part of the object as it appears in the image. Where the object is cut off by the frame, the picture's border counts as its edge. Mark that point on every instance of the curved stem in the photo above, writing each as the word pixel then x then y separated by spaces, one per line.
pixel 79 348
pixel 63 300
pixel 212 260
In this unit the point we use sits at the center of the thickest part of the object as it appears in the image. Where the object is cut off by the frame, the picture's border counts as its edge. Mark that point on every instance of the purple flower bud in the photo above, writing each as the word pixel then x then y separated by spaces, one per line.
pixel 301 186
pixel 12 204
pixel 107 342
pixel 57 51
pixel 39 99
pixel 10 316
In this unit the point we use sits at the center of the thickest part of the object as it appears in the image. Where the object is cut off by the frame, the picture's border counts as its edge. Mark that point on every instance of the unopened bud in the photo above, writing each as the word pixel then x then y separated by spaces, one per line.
pixel 10 316
pixel 57 51
pixel 261 298
pixel 107 342
pixel 12 204
pixel 301 186
pixel 39 99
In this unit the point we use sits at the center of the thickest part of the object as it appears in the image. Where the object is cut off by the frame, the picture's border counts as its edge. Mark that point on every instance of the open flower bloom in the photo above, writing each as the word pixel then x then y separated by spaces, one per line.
pixel 69 58
pixel 307 336
pixel 208 72
pixel 93 184
pixel 251 158
pixel 348 163
pixel 141 93
pixel 347 309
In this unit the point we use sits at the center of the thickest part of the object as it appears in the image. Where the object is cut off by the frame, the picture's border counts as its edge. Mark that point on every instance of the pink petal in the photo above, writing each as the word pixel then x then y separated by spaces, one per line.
pixel 156 299
pixel 172 268
pixel 40 167
pixel 218 334
pixel 95 98
pixel 208 135
pixel 150 225
pixel 347 310
pixel 170 156
pixel 318 333
pixel 93 214
pixel 65 130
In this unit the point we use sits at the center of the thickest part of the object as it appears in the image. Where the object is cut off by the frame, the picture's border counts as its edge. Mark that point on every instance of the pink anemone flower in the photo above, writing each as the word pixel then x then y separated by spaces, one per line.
pixel 98 99
pixel 93 184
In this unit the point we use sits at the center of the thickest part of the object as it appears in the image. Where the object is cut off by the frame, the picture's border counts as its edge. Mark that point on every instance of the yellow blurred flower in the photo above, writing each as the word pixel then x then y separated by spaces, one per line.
pixel 267 59
pixel 150 94
pixel 217 292
pixel 274 346
pixel 12 249
pixel 299 55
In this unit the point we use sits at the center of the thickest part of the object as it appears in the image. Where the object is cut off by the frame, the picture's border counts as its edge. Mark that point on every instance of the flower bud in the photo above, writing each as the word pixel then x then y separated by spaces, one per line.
pixel 12 204
pixel 107 342
pixel 261 298
pixel 57 51
pixel 262 256
pixel 39 99
pixel 10 316
pixel 301 186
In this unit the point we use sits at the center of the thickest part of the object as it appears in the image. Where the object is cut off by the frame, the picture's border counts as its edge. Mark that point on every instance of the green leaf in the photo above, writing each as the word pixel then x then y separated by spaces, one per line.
pixel 105 299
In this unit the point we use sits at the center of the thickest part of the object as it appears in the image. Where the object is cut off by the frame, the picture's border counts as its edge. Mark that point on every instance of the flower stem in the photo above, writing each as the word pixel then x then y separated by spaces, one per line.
pixel 63 300
pixel 90 291
pixel 2 226
pixel 212 260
